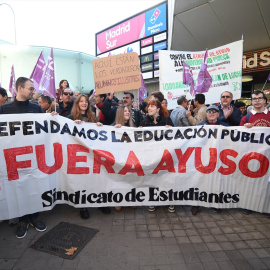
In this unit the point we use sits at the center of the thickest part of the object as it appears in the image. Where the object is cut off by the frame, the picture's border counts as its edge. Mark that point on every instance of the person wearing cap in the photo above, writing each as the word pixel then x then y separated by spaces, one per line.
pixel 212 114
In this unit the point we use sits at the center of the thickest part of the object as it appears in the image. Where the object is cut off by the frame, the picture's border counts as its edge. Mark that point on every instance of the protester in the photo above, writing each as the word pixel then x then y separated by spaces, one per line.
pixel 199 112
pixel 258 117
pixel 76 94
pixel 3 96
pixel 212 114
pixel 122 118
pixel 66 105
pixel 25 90
pixel 158 115
pixel 45 103
pixel 103 109
pixel 229 114
pixel 165 102
pixel 157 95
pixel 191 107
pixel 136 115
pixel 62 85
pixel 241 106
pixel 81 112
pixel 178 115
pixel 120 102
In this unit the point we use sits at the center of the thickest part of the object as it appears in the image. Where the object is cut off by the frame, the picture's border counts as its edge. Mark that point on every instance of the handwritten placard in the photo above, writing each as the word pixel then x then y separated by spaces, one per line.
pixel 117 73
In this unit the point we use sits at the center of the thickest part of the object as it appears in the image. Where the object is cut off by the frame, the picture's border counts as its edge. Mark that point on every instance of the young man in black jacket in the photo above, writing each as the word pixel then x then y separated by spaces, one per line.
pixel 21 104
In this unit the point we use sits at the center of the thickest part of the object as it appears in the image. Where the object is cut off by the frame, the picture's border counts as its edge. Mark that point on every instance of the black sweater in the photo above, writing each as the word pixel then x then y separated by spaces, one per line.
pixel 16 107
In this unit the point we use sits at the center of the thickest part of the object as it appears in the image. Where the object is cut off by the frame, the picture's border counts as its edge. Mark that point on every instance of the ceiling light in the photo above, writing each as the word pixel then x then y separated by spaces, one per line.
pixel 247 78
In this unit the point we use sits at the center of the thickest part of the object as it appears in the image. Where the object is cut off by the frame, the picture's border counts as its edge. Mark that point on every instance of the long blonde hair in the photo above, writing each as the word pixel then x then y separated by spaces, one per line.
pixel 76 113
pixel 120 119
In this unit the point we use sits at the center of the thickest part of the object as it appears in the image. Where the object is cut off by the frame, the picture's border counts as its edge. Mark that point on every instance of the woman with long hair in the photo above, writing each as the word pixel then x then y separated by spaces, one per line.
pixel 158 115
pixel 62 85
pixel 81 112
pixel 122 118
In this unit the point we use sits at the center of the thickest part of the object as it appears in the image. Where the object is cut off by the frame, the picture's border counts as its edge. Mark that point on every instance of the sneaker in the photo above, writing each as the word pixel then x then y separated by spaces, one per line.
pixel 151 208
pixel 105 210
pixel 13 221
pixel 171 209
pixel 38 225
pixel 195 210
pixel 22 229
pixel 216 210
pixel 84 213
pixel 246 211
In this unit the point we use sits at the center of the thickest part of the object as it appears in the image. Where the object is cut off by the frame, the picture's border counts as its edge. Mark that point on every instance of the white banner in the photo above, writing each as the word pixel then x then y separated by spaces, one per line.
pixel 224 65
pixel 48 160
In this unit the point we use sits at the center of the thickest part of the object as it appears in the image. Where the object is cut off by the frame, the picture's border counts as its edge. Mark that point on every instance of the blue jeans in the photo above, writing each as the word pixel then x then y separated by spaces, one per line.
pixel 27 218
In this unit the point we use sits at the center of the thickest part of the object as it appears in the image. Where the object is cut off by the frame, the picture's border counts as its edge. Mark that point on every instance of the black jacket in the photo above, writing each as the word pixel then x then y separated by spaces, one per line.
pixel 64 111
pixel 108 112
pixel 233 120
pixel 16 106
pixel 161 121
pixel 136 117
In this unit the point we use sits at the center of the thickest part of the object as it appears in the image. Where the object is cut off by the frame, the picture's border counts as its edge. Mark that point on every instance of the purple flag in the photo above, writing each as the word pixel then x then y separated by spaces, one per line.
pixel 268 78
pixel 204 79
pixel 47 82
pixel 38 72
pixel 188 77
pixel 12 83
pixel 142 91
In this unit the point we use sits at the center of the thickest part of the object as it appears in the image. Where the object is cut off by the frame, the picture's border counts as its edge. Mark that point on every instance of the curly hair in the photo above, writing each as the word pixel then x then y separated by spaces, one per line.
pixel 76 113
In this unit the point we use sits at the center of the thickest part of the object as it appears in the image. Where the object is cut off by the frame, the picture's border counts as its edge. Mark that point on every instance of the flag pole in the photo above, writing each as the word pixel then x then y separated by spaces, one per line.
pixel 265 84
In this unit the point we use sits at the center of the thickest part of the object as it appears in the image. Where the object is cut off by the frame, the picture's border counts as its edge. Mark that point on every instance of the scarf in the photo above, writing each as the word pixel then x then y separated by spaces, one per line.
pixel 101 116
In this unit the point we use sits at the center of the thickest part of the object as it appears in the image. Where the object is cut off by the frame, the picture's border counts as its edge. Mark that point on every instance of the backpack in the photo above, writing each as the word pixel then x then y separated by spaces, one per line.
pixel 248 117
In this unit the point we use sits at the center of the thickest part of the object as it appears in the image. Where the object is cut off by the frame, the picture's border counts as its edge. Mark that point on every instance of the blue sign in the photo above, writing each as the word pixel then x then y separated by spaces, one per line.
pixel 160 46
pixel 155 20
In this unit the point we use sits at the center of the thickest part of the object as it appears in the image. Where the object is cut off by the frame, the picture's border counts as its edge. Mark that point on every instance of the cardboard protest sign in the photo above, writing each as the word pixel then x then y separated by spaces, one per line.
pixel 117 73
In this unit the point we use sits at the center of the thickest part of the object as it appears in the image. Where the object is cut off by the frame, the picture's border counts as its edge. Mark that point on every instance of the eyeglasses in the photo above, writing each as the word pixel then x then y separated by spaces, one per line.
pixel 211 111
pixel 226 97
pixel 126 97
pixel 32 89
pixel 259 98
pixel 71 94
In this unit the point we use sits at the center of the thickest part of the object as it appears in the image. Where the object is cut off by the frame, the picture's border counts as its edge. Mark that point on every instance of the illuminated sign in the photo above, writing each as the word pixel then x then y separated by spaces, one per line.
pixel 147 58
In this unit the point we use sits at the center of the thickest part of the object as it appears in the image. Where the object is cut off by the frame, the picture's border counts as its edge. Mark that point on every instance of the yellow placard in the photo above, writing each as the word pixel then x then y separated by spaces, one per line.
pixel 117 73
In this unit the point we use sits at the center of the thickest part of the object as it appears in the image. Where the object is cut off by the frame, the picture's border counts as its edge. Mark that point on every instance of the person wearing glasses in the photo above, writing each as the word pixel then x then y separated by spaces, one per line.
pixel 212 115
pixel 21 104
pixel 227 113
pixel 66 105
pixel 259 115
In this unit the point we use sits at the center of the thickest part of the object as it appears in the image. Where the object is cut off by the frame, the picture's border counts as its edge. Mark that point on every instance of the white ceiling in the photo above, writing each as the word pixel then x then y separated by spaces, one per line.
pixel 201 24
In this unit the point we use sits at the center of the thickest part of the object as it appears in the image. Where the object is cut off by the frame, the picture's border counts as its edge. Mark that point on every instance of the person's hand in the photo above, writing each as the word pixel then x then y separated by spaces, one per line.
pixel 140 127
pixel 248 125
pixel 188 113
pixel 78 121
pixel 99 124
pixel 110 95
pixel 228 113
pixel 117 126
pixel 54 113
pixel 167 126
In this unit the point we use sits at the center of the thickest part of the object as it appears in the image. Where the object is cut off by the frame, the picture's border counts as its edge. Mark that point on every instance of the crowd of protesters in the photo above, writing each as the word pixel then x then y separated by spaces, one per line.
pixel 106 109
